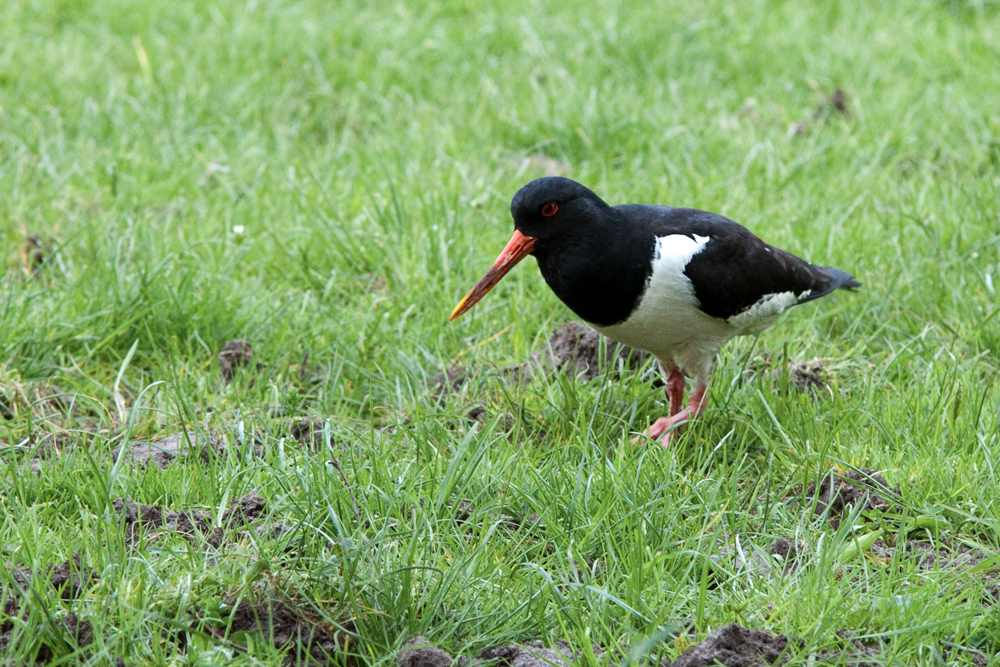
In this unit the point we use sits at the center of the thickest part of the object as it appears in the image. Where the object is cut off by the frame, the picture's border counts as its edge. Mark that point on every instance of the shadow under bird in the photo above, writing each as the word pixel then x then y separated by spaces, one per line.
pixel 676 282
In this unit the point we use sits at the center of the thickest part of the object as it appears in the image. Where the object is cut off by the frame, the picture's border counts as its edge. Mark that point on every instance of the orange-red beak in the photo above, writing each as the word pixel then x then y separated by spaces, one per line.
pixel 519 247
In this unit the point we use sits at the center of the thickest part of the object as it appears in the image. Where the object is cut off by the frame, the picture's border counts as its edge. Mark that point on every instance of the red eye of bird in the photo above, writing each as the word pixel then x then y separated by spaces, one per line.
pixel 549 209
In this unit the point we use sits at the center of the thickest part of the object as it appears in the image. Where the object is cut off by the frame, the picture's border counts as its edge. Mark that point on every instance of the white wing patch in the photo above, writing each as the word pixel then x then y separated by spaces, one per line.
pixel 668 320
pixel 673 254
pixel 763 314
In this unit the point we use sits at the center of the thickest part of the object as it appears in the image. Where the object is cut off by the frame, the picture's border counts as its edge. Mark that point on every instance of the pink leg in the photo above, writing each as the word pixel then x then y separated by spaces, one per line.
pixel 667 426
pixel 675 389
pixel 675 395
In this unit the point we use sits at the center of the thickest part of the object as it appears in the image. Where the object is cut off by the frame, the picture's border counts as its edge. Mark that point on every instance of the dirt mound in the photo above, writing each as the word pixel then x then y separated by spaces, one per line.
pixel 185 447
pixel 244 511
pixel 837 493
pixel 480 415
pixel 235 354
pixel 309 432
pixel 81 633
pixel 735 646
pixel 829 106
pixel 786 549
pixel 33 252
pixel 6 407
pixel 309 638
pixel 944 555
pixel 530 654
pixel 449 380
pixel 177 446
pixel 855 653
pixel 56 444
pixel 195 525
pixel 575 349
pixel 808 376
pixel 420 652
pixel 579 350
pixel 838 100
pixel 741 554
pixel 70 578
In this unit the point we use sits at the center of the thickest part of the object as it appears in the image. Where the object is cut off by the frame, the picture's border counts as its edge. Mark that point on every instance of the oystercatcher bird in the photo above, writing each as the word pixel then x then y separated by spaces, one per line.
pixel 676 282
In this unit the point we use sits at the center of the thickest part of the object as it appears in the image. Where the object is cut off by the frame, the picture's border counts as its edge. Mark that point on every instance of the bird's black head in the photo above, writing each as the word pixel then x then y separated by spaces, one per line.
pixel 548 208
pixel 546 212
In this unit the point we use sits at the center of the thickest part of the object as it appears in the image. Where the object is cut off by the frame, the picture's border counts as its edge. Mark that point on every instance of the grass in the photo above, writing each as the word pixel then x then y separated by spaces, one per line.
pixel 326 180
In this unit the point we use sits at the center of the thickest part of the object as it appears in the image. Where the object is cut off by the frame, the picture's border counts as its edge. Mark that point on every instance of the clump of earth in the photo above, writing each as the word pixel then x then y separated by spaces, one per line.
pixel 731 645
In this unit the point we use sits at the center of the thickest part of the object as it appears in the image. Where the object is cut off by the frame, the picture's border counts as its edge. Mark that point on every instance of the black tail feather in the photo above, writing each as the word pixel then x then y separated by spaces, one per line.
pixel 838 280
pixel 841 279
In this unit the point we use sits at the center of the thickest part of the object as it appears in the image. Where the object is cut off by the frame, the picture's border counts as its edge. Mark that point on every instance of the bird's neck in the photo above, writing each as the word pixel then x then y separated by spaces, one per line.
pixel 600 274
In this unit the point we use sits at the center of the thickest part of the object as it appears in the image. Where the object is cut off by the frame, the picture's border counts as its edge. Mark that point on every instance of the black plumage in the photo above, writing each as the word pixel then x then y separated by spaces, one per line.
pixel 676 282
pixel 599 263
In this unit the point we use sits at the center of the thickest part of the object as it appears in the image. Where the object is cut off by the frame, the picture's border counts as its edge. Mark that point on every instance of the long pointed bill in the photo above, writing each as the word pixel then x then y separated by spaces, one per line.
pixel 519 247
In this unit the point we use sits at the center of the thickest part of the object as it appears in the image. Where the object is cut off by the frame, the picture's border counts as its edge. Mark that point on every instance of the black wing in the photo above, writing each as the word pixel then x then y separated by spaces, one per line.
pixel 735 270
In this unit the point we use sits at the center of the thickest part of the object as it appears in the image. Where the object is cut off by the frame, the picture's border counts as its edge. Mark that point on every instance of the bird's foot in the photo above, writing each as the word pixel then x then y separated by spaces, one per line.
pixel 663 428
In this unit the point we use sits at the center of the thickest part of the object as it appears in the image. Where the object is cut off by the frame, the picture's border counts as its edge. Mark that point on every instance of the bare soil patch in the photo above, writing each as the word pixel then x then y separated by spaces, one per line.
pixel 32 254
pixel 579 350
pixel 782 555
pixel 806 375
pixel 735 646
pixel 235 354
pixel 837 493
pixel 162 453
pixel 575 349
pixel 530 654
pixel 196 525
pixel 420 652
pixel 308 432
pixel 836 103
pixel 6 407
pixel 945 555
pixel 69 578
pixel 309 638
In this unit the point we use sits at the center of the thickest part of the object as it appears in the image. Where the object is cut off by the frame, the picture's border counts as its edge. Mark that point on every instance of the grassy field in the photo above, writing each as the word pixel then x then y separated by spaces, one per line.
pixel 326 180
